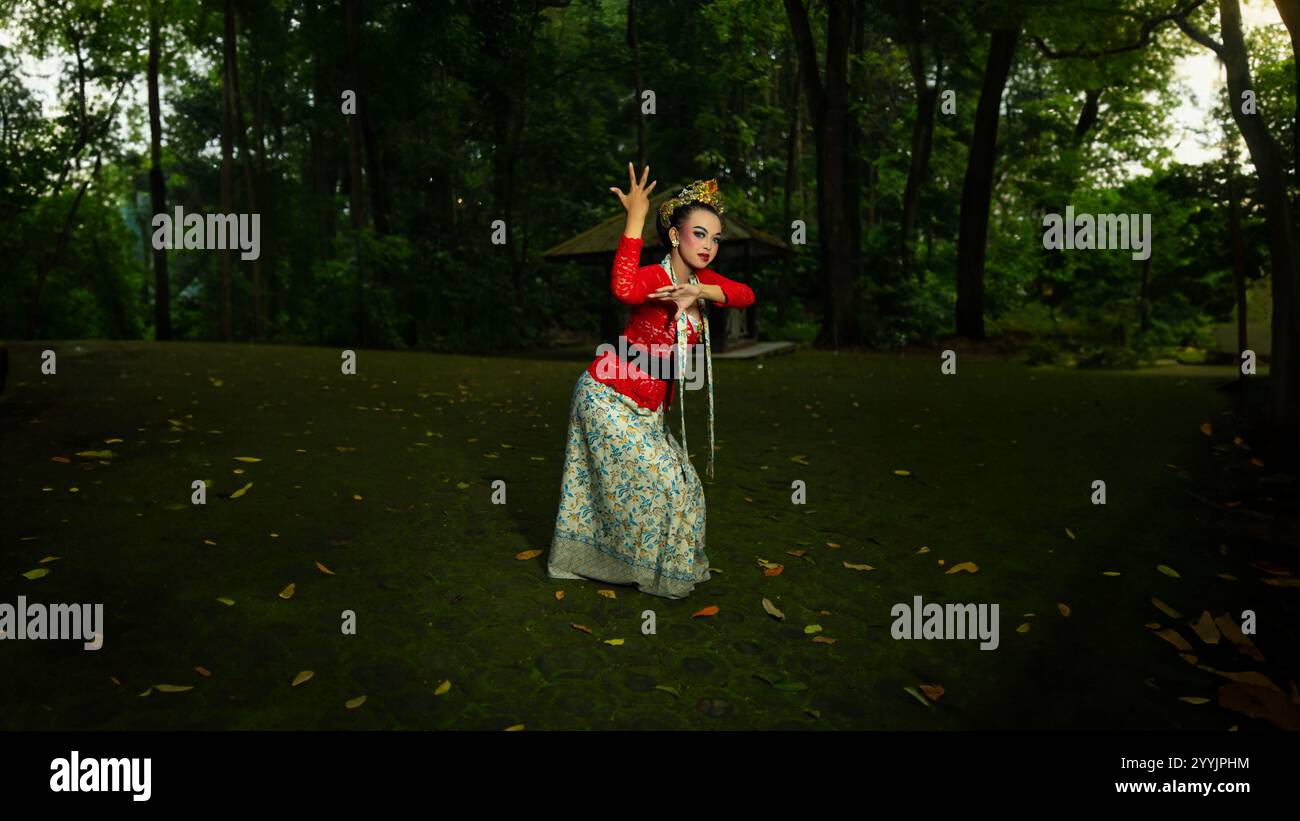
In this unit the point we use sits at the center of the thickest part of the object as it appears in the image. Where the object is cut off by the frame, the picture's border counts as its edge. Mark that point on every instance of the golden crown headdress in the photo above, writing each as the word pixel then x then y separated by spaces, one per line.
pixel 705 191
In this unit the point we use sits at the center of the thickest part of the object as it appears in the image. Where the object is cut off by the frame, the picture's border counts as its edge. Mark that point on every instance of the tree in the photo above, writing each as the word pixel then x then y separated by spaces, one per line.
pixel 1271 176
pixel 828 103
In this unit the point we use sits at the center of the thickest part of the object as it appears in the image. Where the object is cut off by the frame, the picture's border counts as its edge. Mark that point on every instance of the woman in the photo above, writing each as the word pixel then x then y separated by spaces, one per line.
pixel 631 504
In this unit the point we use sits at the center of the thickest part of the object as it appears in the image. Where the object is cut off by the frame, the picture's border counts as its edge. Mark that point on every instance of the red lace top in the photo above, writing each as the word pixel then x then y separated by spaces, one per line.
pixel 650 321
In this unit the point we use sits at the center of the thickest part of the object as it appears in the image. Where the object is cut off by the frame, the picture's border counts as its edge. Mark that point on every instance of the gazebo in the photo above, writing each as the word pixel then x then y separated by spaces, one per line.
pixel 742 246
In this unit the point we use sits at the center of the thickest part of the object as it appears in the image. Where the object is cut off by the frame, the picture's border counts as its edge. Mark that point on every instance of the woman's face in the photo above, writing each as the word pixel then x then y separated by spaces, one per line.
pixel 700 237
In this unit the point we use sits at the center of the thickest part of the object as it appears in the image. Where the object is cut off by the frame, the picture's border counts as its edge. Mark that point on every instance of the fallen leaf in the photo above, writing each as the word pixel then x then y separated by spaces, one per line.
pixel 1283 582
pixel 96 454
pixel 1064 608
pixel 524 555
pixel 772 610
pixel 1227 576
pixel 1260 702
pixel 1187 657
pixel 514 728
pixel 852 566
pixel 305 675
pixel 354 703
pixel 443 688
pixel 711 610
pixel 1230 630
pixel 1206 629
pixel 1070 533
pixel 969 567
pixel 615 642
pixel 1110 572
pixel 172 688
pixel 902 473
pixel 1194 699
pixel 356 497
pixel 65 460
pixel 322 568
pixel 226 601
pixel 801 459
pixel 932 690
pixel 916 694
pixel 37 573
pixel 241 491
pixel 832 545
pixel 813 713
pixel 668 689
pixel 1166 609
pixel 203 671
pixel 287 593
pixel 247 459
pixel 1152 625
pixel 923 550
pixel 1024 628
pixel 609 594
pixel 824 640
pixel 812 628
pixel 1206 429
pixel 559 594
pixel 1168 571
pixel 774 571
pixel 796 553
pixel 581 627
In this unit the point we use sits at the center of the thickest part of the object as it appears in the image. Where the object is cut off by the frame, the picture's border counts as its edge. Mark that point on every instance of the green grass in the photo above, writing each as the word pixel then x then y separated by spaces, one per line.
pixel 1001 460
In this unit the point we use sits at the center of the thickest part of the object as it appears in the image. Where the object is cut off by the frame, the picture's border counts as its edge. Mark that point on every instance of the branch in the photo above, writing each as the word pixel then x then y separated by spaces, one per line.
pixel 1144 37
pixel 1198 35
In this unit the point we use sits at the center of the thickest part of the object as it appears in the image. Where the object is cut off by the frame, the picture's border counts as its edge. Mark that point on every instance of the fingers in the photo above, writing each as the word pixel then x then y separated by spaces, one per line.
pixel 652 186
pixel 644 175
pixel 631 175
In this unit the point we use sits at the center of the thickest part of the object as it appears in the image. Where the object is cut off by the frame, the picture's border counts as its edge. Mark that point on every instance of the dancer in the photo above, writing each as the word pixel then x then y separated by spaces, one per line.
pixel 631 504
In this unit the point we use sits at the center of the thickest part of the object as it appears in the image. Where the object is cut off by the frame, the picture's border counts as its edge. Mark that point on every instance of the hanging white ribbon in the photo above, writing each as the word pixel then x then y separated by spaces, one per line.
pixel 681 359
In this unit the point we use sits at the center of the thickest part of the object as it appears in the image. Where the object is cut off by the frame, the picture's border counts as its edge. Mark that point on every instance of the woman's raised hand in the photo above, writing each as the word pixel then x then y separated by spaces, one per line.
pixel 637 199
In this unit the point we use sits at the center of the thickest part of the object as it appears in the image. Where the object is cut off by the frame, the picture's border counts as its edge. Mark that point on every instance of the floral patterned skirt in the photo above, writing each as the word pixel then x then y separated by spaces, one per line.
pixel 631 506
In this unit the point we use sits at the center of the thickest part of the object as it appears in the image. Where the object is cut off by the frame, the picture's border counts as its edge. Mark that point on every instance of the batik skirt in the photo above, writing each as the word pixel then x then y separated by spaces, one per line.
pixel 631 504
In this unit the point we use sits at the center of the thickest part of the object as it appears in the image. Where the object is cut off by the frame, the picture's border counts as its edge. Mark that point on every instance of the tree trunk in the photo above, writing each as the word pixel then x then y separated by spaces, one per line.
pixel 1238 258
pixel 830 110
pixel 1267 158
pixel 227 161
pixel 356 198
pixel 250 192
pixel 1289 10
pixel 977 189
pixel 922 142
pixel 794 152
pixel 162 315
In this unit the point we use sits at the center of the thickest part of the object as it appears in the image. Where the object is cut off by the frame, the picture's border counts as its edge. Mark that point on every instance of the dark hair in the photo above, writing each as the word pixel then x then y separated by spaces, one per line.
pixel 678 219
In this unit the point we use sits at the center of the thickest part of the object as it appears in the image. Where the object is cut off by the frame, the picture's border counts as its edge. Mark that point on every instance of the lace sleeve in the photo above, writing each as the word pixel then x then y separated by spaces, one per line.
pixel 626 282
pixel 738 294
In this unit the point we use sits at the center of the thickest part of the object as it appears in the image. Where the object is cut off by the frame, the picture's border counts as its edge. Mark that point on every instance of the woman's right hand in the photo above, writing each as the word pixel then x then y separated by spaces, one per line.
pixel 637 199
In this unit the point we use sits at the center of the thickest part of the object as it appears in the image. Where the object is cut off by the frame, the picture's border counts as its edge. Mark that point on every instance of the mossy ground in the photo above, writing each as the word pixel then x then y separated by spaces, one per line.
pixel 1001 456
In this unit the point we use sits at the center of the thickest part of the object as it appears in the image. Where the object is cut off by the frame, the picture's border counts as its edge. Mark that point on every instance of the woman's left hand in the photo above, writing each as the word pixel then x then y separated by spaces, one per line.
pixel 684 294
